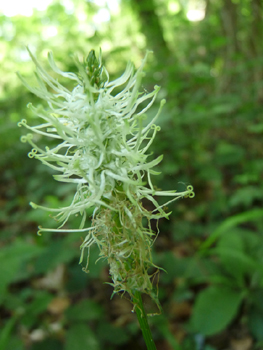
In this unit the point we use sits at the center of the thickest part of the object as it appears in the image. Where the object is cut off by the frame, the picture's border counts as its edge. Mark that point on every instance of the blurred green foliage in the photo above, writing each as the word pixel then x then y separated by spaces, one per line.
pixel 212 77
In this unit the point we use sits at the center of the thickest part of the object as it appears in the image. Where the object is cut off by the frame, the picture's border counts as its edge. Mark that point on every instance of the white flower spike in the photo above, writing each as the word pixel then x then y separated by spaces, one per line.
pixel 101 145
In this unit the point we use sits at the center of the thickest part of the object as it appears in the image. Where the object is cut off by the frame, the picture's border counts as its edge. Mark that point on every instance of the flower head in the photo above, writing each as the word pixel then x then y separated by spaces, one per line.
pixel 102 145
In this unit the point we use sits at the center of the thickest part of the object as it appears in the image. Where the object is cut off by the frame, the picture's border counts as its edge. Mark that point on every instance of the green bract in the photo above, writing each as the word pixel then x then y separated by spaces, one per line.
pixel 102 145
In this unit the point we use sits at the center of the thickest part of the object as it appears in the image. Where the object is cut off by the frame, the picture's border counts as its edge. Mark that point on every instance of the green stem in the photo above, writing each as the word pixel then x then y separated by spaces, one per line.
pixel 142 318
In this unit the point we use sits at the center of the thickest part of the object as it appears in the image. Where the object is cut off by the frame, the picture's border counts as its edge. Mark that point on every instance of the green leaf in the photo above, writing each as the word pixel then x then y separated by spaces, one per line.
pixel 247 216
pixel 37 306
pixel 255 324
pixel 11 260
pixel 234 258
pixel 214 309
pixel 80 336
pixel 246 196
pixel 223 108
pixel 85 310
pixel 49 343
pixel 161 323
pixel 228 154
pixel 256 128
pixel 15 342
pixel 112 334
pixel 5 333
pixel 55 253
pixel 238 262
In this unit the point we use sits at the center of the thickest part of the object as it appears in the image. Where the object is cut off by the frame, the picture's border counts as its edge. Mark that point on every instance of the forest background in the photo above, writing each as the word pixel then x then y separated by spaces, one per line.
pixel 208 59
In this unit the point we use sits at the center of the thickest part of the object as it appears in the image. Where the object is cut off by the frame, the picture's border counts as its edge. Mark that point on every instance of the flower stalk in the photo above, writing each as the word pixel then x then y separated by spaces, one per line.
pixel 143 322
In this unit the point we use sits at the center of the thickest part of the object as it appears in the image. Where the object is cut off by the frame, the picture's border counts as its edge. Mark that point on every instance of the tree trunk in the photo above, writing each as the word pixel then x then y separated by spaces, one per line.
pixel 152 29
